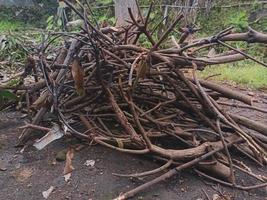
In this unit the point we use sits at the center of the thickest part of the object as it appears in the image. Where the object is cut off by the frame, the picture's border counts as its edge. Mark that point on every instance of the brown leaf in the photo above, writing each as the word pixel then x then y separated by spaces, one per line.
pixel 63 53
pixel 78 74
pixel 68 166
pixel 211 53
pixel 29 66
pixel 142 68
pixel 23 174
pixel 41 101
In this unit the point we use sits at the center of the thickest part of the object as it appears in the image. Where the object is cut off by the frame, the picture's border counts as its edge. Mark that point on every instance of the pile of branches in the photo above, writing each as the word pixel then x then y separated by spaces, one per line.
pixel 105 88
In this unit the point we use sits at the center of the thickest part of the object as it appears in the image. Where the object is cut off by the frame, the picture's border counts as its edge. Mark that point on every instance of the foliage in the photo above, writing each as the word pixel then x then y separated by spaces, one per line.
pixel 7 97
pixel 9 25
pixel 239 20
pixel 104 2
pixel 245 73
pixel 11 49
pixel 28 15
pixel 49 22
pixel 17 41
pixel 6 94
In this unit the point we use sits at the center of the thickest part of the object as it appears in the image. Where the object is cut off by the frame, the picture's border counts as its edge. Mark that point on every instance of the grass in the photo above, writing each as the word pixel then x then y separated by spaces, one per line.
pixel 245 73
pixel 9 25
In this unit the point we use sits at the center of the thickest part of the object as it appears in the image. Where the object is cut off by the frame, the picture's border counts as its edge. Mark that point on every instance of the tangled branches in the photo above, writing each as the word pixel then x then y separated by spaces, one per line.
pixel 104 88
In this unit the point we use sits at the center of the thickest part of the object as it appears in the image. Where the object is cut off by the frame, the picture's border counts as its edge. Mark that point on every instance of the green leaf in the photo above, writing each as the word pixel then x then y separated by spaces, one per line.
pixel 105 2
pixel 5 94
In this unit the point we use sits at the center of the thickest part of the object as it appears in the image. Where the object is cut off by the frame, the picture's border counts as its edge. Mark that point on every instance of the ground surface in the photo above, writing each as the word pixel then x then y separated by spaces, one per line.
pixel 24 176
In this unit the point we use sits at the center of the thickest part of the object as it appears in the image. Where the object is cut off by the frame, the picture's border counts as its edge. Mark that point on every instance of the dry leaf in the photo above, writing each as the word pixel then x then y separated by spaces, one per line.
pixel 68 166
pixel 29 66
pixel 47 193
pixel 75 23
pixel 67 177
pixel 63 53
pixel 142 68
pixel 221 197
pixel 78 74
pixel 211 53
pixel 41 101
pixel 23 174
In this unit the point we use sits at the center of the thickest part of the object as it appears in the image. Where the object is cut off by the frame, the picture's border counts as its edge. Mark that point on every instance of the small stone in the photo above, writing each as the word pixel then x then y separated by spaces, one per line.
pixel 2 166
pixel 89 163
pixel 1 146
pixel 61 155
pixel 251 94
pixel 53 163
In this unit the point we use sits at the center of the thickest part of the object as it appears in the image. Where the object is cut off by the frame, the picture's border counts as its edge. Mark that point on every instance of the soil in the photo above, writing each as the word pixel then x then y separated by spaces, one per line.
pixel 25 175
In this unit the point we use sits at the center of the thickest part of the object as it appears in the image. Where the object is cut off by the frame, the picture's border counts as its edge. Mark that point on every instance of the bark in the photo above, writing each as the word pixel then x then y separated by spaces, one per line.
pixel 226 92
pixel 254 125
pixel 121 11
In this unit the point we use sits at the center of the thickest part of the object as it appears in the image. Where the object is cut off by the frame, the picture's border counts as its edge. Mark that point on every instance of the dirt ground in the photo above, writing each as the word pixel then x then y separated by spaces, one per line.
pixel 24 176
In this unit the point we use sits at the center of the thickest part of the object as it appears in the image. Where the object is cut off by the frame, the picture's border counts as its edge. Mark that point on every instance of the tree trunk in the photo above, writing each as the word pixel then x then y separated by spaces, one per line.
pixel 121 11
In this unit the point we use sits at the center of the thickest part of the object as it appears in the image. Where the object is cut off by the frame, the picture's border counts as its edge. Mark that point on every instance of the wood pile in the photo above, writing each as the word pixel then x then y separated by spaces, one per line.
pixel 106 88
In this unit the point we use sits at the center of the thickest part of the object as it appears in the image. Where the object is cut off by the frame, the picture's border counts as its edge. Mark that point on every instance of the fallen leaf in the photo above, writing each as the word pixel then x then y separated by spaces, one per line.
pixel 221 197
pixel 75 23
pixel 29 66
pixel 47 193
pixel 68 166
pixel 23 174
pixel 211 53
pixel 79 147
pixel 142 68
pixel 78 74
pixel 6 94
pixel 67 177
pixel 55 134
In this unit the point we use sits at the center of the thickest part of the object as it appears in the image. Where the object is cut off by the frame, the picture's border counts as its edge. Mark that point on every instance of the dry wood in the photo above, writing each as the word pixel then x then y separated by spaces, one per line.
pixel 138 100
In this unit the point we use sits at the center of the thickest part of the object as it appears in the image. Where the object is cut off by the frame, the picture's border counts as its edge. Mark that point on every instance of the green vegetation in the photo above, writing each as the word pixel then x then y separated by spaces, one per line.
pixel 245 73
pixel 9 25
pixel 6 97
pixel 238 17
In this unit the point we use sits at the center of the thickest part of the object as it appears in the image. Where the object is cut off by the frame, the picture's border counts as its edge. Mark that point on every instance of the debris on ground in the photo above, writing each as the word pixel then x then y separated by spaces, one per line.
pixel 48 192
pixel 68 166
pixel 89 163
